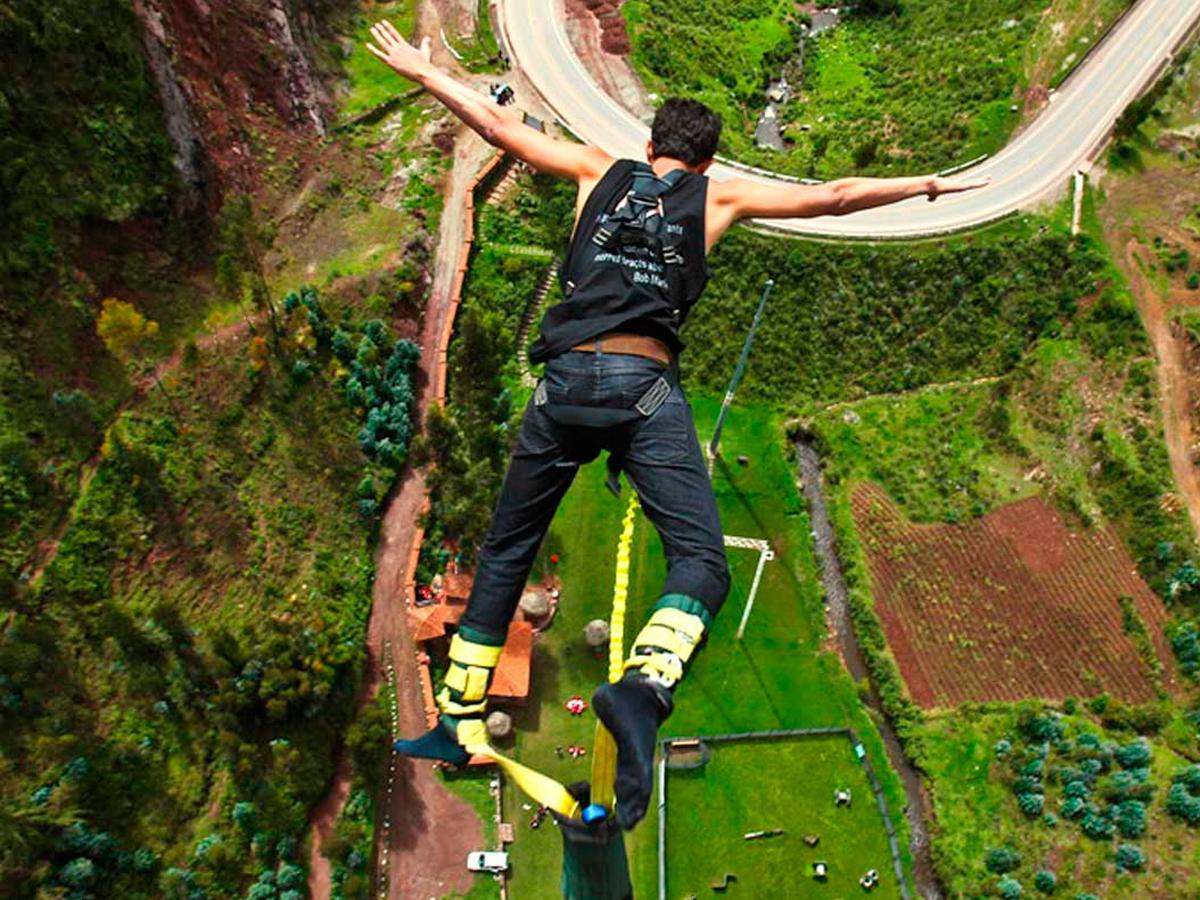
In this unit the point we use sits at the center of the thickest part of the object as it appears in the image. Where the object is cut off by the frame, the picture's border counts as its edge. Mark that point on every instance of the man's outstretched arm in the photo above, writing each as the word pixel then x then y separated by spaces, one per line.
pixel 739 198
pixel 500 127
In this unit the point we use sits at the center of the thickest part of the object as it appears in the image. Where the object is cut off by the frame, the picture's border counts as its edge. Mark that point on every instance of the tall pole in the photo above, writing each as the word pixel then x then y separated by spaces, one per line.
pixel 737 373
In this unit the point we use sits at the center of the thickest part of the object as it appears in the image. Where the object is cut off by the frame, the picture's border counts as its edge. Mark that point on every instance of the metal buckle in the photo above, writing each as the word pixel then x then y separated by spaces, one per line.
pixel 539 393
pixel 654 398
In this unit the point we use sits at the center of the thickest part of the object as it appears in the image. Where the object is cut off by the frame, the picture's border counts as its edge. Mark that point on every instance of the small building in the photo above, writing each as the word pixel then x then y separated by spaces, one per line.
pixel 510 684
pixel 457 587
pixel 429 623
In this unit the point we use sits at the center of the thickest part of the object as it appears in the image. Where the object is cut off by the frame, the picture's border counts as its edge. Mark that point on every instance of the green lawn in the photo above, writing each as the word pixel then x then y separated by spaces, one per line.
pixel 780 677
pixel 784 783
pixel 371 82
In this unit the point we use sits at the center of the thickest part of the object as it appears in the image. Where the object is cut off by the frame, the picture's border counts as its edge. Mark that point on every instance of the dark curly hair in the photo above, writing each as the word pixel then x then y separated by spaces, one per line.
pixel 685 129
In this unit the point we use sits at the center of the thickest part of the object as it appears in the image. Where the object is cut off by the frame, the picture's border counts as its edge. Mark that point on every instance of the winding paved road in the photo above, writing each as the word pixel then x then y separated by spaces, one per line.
pixel 1036 163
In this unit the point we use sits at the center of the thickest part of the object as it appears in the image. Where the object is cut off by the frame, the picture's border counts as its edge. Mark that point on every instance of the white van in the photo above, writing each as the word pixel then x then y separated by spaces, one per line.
pixel 487 861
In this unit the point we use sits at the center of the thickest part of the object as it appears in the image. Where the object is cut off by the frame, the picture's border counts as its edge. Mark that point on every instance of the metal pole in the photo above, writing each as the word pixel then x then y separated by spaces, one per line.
pixel 741 367
pixel 763 556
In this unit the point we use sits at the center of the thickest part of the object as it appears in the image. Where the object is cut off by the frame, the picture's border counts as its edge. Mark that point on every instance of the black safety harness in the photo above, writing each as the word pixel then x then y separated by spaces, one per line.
pixel 634 225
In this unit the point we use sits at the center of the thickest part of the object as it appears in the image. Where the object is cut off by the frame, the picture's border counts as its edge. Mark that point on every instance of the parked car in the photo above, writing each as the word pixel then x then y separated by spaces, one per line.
pixel 487 861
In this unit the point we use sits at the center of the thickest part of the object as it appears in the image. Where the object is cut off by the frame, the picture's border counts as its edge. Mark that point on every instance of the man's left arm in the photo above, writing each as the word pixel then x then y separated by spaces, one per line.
pixel 739 198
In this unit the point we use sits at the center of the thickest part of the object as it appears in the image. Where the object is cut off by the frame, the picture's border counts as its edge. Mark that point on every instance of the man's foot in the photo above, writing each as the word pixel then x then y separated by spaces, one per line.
pixel 437 743
pixel 632 709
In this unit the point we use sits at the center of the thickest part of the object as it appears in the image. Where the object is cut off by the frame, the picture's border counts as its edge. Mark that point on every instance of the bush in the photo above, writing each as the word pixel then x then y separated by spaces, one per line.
pixel 1077 789
pixel 1130 818
pixel 1097 826
pixel 1045 881
pixel 1134 755
pixel 1001 860
pixel 1009 888
pixel 1072 808
pixel 1031 804
pixel 1130 858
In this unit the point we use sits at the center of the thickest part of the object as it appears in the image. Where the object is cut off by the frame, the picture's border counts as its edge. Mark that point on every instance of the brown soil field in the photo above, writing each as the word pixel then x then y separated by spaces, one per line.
pixel 1011 605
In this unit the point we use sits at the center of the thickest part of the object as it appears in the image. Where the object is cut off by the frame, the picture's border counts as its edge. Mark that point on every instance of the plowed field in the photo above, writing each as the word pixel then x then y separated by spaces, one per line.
pixel 1011 605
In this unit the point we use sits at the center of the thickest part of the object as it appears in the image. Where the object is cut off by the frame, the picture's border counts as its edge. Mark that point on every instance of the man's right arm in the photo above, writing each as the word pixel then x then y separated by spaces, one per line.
pixel 500 127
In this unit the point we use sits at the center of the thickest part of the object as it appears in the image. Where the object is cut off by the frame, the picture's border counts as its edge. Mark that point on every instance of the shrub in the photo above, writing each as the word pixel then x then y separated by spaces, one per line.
pixel 1130 818
pixel 1072 808
pixel 1097 826
pixel 1077 789
pixel 1045 881
pixel 1134 755
pixel 1023 784
pixel 1031 804
pixel 1001 860
pixel 1130 857
pixel 1009 888
pixel 1190 778
pixel 244 815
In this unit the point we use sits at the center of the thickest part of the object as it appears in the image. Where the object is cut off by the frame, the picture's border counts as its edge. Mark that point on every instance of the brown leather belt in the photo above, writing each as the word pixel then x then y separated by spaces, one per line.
pixel 633 344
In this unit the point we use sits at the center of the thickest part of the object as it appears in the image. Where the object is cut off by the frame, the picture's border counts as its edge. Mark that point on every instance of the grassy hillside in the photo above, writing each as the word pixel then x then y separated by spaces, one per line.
pixel 917 88
pixel 188 505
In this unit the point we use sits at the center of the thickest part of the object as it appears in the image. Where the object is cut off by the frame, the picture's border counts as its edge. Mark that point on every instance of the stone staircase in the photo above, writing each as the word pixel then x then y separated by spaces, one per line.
pixel 532 312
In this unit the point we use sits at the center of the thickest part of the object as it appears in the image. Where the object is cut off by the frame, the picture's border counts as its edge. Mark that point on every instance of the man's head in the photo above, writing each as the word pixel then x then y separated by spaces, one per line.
pixel 686 130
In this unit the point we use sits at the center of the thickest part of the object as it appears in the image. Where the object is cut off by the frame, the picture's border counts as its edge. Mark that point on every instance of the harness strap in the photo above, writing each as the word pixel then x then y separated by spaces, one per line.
pixel 640 209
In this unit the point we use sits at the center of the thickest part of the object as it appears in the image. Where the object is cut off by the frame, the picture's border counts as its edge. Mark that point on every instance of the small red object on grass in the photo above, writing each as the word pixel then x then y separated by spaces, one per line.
pixel 554 558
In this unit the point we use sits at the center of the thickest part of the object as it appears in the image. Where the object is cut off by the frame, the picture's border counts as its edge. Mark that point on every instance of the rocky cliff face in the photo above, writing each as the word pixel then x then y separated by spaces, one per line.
pixel 235 78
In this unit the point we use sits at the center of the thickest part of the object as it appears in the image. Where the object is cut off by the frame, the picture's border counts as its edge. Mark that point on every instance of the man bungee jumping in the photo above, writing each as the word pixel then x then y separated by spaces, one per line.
pixel 635 267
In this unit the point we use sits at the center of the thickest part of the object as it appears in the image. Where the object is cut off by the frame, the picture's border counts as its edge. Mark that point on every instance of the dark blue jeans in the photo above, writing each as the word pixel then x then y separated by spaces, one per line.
pixel 659 454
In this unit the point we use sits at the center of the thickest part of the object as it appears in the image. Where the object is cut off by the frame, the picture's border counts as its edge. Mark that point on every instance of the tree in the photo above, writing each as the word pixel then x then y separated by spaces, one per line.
pixel 1009 888
pixel 126 333
pixel 1002 859
pixel 1130 857
pixel 1045 881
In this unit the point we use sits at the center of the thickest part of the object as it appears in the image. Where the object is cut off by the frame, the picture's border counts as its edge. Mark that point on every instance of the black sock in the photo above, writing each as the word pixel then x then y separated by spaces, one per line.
pixel 437 743
pixel 632 709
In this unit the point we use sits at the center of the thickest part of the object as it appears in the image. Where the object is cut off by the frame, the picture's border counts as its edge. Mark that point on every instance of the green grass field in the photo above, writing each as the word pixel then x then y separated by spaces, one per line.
pixel 780 783
pixel 780 677
pixel 371 82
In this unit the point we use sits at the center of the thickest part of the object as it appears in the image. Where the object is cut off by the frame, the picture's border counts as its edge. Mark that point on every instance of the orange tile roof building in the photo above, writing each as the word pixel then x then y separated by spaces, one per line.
pixel 511 681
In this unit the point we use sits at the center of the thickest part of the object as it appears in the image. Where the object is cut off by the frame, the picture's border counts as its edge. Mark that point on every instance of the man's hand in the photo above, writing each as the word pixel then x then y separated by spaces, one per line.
pixel 398 53
pixel 939 185
pixel 504 128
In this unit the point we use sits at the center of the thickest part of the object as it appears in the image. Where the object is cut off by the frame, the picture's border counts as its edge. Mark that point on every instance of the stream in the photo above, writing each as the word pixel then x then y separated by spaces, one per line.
pixel 917 808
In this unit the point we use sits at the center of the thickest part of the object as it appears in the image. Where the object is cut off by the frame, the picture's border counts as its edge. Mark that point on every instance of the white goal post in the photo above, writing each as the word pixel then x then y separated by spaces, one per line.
pixel 765 553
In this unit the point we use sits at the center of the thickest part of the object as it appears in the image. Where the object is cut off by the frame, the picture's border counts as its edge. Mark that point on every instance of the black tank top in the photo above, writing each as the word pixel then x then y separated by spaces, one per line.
pixel 615 296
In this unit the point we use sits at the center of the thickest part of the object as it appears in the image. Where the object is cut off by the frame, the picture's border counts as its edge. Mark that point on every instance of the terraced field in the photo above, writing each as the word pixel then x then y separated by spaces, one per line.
pixel 1011 605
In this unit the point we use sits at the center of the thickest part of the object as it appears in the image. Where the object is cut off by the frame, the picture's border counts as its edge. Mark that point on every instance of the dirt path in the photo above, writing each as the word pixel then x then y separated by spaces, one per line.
pixel 430 829
pixel 1173 385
